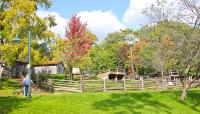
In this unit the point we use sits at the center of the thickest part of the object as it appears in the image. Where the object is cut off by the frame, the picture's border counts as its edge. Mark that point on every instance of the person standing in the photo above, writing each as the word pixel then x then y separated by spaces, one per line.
pixel 26 83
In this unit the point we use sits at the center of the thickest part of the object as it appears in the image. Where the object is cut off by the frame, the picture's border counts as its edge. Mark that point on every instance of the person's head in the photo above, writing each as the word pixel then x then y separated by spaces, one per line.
pixel 27 75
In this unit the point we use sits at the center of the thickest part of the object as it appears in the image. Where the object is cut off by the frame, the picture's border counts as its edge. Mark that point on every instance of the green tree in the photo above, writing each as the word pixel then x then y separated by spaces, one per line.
pixel 185 26
pixel 17 17
pixel 102 59
pixel 115 42
pixel 159 48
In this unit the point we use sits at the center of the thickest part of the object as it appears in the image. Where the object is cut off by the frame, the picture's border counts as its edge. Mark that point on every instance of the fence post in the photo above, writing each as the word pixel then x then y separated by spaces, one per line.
pixel 177 83
pixel 166 83
pixel 157 84
pixel 124 85
pixel 142 83
pixel 104 85
pixel 163 83
pixel 51 85
pixel 81 85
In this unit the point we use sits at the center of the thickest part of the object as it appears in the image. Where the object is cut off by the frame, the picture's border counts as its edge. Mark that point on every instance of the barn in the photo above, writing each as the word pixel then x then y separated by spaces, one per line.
pixel 51 67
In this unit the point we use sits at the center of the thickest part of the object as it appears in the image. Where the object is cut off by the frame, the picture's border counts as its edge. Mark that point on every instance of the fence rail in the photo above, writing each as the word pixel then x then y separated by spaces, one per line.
pixel 112 85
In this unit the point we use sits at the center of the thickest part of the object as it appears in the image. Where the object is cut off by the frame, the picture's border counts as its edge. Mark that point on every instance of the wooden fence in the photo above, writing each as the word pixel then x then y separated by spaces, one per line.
pixel 111 85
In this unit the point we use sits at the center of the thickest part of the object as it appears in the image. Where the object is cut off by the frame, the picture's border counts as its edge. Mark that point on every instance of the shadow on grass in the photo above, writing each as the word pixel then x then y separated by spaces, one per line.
pixel 7 104
pixel 6 83
pixel 55 77
pixel 133 103
pixel 193 100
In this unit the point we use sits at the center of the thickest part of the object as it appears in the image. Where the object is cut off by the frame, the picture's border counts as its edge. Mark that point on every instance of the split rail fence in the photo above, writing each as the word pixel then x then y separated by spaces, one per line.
pixel 111 85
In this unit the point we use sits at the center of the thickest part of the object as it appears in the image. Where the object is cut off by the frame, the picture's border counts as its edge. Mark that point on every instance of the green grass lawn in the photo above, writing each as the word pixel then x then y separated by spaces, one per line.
pixel 8 86
pixel 137 102
pixel 55 76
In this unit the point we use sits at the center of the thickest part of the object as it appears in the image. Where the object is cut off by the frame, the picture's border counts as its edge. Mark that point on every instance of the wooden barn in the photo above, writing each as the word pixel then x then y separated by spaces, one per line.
pixel 51 67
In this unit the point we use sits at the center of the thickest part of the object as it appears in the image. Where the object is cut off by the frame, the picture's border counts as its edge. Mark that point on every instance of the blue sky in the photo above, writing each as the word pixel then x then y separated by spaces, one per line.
pixel 68 7
pixel 102 16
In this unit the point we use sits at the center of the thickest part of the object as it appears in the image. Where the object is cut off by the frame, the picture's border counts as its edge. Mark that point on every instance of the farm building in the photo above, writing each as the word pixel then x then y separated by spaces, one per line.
pixel 50 68
pixel 20 69
pixel 4 70
pixel 112 75
pixel 173 75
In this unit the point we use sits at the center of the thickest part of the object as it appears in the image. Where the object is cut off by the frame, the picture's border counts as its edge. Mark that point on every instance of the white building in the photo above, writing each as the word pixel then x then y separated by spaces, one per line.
pixel 50 68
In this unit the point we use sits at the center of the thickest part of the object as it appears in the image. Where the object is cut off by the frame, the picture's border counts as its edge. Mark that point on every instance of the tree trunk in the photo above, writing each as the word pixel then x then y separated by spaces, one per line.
pixel 162 73
pixel 186 86
pixel 135 67
pixel 70 73
pixel 132 71
pixel 184 94
pixel 132 66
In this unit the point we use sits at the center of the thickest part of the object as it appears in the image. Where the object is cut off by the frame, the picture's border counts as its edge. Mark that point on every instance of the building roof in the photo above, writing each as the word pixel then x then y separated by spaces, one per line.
pixel 47 63
pixel 50 63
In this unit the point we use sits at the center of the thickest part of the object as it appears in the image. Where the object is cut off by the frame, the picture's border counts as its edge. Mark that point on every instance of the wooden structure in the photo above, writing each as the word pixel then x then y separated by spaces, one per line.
pixel 117 74
pixel 173 75
pixel 52 67
pixel 4 70
pixel 112 85
pixel 20 69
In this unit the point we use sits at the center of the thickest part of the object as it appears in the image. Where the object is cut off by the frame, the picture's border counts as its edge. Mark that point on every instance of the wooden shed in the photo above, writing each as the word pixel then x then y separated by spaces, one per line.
pixel 51 67
pixel 112 75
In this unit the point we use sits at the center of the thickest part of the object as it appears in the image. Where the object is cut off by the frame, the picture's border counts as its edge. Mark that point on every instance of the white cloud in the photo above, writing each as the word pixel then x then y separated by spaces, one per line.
pixel 61 22
pixel 101 23
pixel 133 15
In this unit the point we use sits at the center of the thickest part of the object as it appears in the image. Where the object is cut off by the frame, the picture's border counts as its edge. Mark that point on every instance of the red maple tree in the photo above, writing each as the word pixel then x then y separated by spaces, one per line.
pixel 77 42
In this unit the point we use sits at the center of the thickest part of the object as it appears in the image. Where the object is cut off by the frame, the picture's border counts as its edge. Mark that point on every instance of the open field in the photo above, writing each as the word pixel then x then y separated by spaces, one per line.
pixel 166 102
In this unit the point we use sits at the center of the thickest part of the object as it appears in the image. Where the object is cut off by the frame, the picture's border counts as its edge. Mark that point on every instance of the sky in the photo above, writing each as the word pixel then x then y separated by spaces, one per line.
pixel 101 16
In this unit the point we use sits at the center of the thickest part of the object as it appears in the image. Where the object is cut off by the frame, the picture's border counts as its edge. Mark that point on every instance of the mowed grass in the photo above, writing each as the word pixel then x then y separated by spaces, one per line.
pixel 138 102
pixel 55 76
pixel 8 87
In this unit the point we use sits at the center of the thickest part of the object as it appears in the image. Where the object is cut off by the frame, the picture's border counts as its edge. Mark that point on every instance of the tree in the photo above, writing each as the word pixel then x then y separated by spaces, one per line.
pixel 17 17
pixel 123 56
pixel 119 48
pixel 77 43
pixel 56 49
pixel 184 21
pixel 85 63
pixel 159 47
pixel 136 50
pixel 102 59
pixel 117 37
